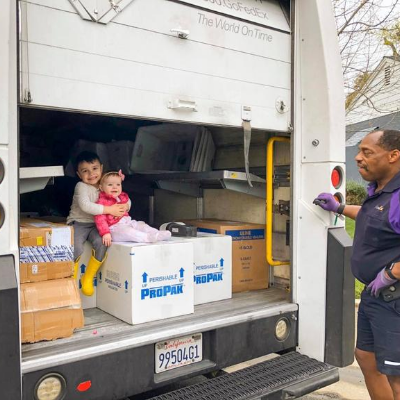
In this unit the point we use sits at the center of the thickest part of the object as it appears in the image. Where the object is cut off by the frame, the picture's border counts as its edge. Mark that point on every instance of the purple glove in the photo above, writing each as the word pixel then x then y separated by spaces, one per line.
pixel 379 283
pixel 327 202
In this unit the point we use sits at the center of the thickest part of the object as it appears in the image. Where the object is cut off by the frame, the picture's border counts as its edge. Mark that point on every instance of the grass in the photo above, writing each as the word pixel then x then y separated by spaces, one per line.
pixel 350 225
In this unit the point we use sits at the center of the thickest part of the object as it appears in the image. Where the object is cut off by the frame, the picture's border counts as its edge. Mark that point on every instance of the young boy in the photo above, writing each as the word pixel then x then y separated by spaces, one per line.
pixel 81 216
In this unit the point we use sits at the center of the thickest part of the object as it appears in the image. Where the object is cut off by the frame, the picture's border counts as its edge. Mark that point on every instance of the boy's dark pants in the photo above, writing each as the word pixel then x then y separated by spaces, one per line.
pixel 83 232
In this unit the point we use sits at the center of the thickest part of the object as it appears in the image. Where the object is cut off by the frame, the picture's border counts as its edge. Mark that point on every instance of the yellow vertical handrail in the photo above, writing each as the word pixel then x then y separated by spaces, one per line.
pixel 269 199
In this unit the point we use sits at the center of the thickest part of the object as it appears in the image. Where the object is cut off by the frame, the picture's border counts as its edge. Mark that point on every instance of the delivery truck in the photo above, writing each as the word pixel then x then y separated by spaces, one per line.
pixel 220 112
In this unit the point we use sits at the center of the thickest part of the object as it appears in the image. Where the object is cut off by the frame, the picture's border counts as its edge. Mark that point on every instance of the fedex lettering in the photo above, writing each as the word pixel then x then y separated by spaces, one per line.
pixel 162 291
pixel 206 278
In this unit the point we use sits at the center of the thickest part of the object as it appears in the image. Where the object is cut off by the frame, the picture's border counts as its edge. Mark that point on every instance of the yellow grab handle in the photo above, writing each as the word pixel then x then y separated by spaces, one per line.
pixel 269 205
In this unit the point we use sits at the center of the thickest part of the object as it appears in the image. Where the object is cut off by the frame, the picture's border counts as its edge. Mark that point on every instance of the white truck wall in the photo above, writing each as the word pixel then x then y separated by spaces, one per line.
pixel 136 66
pixel 9 201
pixel 231 206
pixel 8 132
pixel 319 115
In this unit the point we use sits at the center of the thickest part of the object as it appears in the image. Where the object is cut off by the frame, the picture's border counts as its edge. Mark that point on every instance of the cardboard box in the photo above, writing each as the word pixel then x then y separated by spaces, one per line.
pixel 50 310
pixel 212 255
pixel 46 251
pixel 44 271
pixel 35 232
pixel 147 282
pixel 249 267
pixel 87 301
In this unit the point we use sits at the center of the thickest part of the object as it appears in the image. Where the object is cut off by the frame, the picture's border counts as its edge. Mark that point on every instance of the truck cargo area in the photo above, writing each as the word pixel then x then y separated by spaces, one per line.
pixel 48 137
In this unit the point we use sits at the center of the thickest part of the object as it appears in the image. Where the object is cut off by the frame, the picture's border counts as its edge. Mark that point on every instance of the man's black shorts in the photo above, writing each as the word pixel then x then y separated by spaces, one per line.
pixel 378 331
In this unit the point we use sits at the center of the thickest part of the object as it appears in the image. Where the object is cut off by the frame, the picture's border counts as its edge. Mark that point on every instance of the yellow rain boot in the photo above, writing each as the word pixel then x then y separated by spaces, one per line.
pixel 76 266
pixel 91 271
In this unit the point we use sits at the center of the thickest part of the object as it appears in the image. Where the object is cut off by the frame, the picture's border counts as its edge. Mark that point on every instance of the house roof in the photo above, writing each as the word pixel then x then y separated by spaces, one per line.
pixel 370 80
pixel 356 132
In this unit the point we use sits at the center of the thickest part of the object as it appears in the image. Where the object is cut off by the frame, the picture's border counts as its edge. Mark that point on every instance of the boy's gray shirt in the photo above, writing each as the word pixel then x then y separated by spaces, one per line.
pixel 84 207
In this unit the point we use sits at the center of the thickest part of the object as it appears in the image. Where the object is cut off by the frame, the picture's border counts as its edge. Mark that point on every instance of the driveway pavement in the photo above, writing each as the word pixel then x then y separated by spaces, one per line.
pixel 350 387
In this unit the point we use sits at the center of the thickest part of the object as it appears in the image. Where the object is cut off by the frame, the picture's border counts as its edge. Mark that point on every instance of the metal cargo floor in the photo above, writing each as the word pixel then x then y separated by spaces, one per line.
pixel 104 333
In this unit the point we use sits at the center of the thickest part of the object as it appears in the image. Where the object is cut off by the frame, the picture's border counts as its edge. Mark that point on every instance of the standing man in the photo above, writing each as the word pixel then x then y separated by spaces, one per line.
pixel 376 261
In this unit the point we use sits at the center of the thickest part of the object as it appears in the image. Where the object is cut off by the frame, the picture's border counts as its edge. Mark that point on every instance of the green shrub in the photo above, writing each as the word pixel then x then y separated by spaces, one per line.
pixel 355 193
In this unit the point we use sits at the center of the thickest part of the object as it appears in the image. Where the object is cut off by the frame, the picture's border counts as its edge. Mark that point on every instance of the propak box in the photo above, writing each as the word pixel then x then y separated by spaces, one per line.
pixel 46 250
pixel 147 282
pixel 50 310
pixel 212 267
pixel 87 301
pixel 249 267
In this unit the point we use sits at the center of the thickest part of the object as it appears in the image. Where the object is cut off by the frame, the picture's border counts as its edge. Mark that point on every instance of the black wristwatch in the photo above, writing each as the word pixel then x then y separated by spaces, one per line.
pixel 340 209
pixel 388 270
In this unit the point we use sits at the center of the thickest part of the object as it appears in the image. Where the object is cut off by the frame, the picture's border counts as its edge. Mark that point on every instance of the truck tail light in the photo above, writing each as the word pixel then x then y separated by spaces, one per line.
pixel 2 212
pixel 50 387
pixel 339 197
pixel 337 177
pixel 84 386
pixel 2 215
pixel 2 171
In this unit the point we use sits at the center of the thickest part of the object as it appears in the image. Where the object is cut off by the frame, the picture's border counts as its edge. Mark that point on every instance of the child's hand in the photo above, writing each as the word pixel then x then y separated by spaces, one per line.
pixel 107 239
pixel 117 210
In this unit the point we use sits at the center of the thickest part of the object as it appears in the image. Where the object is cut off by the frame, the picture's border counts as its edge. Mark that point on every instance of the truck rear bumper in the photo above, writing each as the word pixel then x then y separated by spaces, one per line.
pixel 119 374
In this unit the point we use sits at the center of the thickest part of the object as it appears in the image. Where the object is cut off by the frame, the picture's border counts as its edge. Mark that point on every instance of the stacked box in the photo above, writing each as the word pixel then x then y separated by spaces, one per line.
pixel 46 251
pixel 50 310
pixel 50 303
pixel 87 301
pixel 212 274
pixel 249 266
pixel 147 282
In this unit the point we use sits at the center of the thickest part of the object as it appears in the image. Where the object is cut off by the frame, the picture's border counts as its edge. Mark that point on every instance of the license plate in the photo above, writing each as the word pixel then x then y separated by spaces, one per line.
pixel 178 352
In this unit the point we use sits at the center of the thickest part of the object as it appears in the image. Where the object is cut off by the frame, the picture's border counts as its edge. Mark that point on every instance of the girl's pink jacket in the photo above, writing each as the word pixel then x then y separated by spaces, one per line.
pixel 104 221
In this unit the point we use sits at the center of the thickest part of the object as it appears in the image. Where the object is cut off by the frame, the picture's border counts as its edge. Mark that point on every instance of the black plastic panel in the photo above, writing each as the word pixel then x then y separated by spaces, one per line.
pixel 10 357
pixel 340 309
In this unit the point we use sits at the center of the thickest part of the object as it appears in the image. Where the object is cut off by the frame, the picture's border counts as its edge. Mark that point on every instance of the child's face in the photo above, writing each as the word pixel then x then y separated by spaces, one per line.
pixel 112 186
pixel 90 173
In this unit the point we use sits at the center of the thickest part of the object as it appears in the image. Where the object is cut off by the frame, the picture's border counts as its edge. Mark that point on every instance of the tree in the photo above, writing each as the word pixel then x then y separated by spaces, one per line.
pixel 391 38
pixel 361 24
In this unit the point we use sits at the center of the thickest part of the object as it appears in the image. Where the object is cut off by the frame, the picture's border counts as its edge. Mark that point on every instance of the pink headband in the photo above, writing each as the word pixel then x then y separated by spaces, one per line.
pixel 119 173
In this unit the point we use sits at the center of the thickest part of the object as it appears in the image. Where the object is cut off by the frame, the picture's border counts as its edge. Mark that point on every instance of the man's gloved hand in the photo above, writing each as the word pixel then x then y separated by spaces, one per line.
pixel 327 202
pixel 381 281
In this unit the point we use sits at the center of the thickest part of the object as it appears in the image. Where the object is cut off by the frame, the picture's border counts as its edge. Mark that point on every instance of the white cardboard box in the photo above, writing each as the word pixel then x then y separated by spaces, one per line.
pixel 212 267
pixel 87 301
pixel 147 282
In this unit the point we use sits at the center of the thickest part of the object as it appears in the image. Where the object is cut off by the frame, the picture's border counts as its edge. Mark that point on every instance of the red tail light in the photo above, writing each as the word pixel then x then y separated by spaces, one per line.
pixel 337 177
pixel 84 386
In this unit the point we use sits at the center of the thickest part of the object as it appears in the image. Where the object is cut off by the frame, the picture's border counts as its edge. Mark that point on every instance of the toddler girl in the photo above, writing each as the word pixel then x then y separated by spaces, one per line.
pixel 122 229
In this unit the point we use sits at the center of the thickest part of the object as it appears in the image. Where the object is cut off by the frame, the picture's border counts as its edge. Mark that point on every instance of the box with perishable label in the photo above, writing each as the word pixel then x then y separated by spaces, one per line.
pixel 87 301
pixel 212 257
pixel 142 282
pixel 249 266
pixel 46 250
